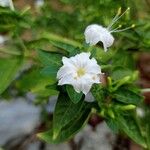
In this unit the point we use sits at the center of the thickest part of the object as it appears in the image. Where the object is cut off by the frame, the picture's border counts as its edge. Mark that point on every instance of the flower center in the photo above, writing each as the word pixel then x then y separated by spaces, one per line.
pixel 80 72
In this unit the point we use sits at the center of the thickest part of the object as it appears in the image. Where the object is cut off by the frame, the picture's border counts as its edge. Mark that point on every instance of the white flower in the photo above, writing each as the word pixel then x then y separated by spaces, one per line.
pixel 4 3
pixel 39 3
pixel 7 3
pixel 79 71
pixel 3 39
pixel 140 112
pixel 96 33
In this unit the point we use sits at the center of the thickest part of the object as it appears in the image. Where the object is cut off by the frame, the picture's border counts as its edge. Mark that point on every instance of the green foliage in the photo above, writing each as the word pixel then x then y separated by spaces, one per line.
pixel 118 73
pixel 73 95
pixel 43 36
pixel 49 58
pixel 34 81
pixel 51 63
pixel 65 112
pixel 9 68
pixel 128 96
pixel 68 131
pixel 14 20
pixel 144 124
pixel 129 125
pixel 68 119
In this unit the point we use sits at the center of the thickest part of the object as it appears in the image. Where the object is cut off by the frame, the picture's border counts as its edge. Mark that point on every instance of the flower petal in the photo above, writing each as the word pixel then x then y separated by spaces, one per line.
pixel 95 33
pixel 92 34
pixel 65 80
pixel 93 67
pixel 64 71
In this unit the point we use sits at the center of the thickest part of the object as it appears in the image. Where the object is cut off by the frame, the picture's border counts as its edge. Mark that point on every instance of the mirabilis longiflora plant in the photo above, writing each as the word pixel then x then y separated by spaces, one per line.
pixel 82 72
pixel 96 33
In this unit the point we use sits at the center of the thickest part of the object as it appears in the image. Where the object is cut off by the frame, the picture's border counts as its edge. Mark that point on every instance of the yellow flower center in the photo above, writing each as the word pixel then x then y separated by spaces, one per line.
pixel 80 72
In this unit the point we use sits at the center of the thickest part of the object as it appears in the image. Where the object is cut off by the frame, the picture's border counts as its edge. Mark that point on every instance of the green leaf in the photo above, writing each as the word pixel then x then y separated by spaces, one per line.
pixel 73 95
pixel 13 20
pixel 65 111
pixel 8 70
pixel 70 129
pixel 46 92
pixel 123 59
pixel 64 46
pixel 47 58
pixel 51 61
pixel 128 97
pixel 37 43
pixel 129 125
pixel 34 81
pixel 112 124
pixel 119 73
pixel 99 93
pixel 148 135
pixel 145 124
pixel 130 79
pixel 50 71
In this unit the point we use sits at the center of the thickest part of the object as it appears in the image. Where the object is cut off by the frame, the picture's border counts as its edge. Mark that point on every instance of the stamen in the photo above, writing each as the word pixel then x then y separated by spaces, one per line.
pixel 116 28
pixel 117 17
pixel 132 26
pixel 80 72
pixel 119 11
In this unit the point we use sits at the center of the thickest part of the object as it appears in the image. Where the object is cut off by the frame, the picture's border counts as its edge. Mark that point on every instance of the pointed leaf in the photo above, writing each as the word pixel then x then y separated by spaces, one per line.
pixel 127 96
pixel 129 126
pixel 65 111
pixel 70 129
pixel 47 58
pixel 50 71
pixel 34 81
pixel 8 70
pixel 73 95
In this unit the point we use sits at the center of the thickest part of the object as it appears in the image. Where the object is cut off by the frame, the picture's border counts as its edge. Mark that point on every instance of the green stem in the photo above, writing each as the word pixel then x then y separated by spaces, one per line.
pixel 22 45
pixel 14 52
pixel 54 37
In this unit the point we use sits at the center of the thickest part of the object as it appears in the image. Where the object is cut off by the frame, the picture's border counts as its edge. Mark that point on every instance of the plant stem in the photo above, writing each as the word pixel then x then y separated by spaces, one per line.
pixel 10 52
pixel 55 37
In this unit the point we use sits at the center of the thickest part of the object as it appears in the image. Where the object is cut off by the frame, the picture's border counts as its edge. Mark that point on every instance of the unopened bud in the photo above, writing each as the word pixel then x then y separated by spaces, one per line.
pixel 128 8
pixel 133 25
pixel 120 26
pixel 119 11
pixel 102 113
pixel 128 107
pixel 111 114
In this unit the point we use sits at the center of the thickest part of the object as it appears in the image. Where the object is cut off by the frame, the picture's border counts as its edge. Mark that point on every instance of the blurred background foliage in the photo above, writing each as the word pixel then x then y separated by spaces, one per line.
pixel 57 28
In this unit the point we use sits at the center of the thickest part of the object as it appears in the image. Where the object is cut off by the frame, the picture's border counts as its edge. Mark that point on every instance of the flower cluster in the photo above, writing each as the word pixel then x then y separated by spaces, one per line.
pixel 80 71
